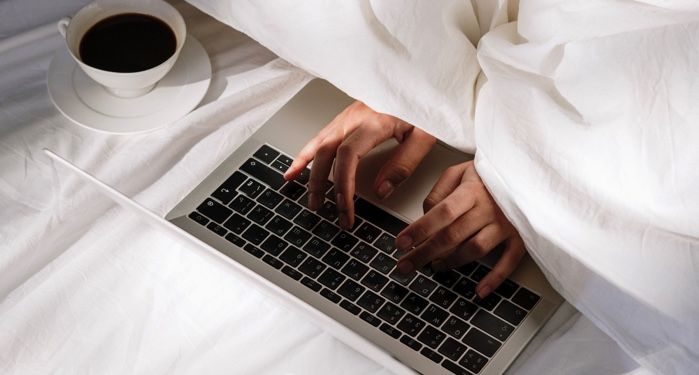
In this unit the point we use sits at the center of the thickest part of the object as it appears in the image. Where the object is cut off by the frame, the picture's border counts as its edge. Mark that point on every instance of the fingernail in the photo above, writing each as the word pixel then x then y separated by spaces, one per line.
pixel 484 291
pixel 405 267
pixel 404 242
pixel 344 221
pixel 439 266
pixel 340 201
pixel 385 189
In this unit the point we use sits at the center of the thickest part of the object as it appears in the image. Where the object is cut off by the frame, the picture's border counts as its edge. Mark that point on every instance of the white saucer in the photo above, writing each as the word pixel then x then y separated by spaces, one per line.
pixel 87 103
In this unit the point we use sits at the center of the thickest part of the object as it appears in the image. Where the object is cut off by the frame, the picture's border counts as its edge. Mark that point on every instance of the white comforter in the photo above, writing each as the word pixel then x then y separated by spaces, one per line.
pixel 86 288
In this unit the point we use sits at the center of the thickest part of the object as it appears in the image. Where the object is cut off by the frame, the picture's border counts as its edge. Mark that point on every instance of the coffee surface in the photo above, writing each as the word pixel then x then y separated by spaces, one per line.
pixel 127 43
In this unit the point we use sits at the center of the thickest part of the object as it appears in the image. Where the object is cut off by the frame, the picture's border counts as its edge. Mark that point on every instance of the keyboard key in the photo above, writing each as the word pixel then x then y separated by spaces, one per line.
pixel 463 309
pixel 214 210
pixel 431 337
pixel 278 225
pixel 226 191
pixel 279 166
pixel 489 302
pixel 285 159
pixel 370 301
pixel 455 327
pixel 199 218
pixel 335 258
pixel 325 230
pixel 507 289
pixel 296 275
pixel 510 312
pixel 273 245
pixel 379 217
pixel 235 240
pixel 368 232
pixel 307 220
pixel 255 234
pixel 414 303
pixel 351 290
pixel 328 211
pixel 374 280
pixel 304 176
pixel 383 263
pixel 269 199
pixel 292 190
pixel 266 154
pixel 386 243
pixel 390 313
pixel 288 209
pixel 435 315
pixel 387 329
pixel 423 286
pixel 411 343
pixel 447 278
pixel 292 256
pixel 525 298
pixel 263 173
pixel 394 292
pixel 217 229
pixel 242 204
pixel 374 321
pixel 312 267
pixel 443 297
pixel 260 215
pixel 237 224
pixel 454 368
pixel 344 241
pixel 492 325
pixel 272 261
pixel 433 356
pixel 355 269
pixel 481 342
pixel 411 325
pixel 310 284
pixel 331 278
pixel 252 188
pixel 467 269
pixel 316 247
pixel 351 307
pixel 254 250
pixel 332 297
pixel 297 236
pixel 452 349
pixel 401 278
pixel 465 288
pixel 363 251
pixel 473 361
pixel 480 273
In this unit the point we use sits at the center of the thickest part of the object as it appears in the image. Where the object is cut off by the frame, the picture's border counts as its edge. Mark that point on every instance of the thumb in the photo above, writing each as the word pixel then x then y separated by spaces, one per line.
pixel 407 156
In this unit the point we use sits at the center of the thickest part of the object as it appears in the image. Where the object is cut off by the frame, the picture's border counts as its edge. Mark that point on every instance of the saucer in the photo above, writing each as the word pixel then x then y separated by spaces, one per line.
pixel 89 104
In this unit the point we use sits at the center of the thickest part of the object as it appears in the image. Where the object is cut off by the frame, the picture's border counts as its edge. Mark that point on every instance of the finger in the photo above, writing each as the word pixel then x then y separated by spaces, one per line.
pixel 443 214
pixel 448 181
pixel 476 247
pixel 352 149
pixel 302 159
pixel 508 262
pixel 442 244
pixel 405 159
pixel 320 170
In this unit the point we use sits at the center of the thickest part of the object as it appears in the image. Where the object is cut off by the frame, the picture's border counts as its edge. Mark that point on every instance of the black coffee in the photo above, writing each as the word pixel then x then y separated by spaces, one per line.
pixel 127 43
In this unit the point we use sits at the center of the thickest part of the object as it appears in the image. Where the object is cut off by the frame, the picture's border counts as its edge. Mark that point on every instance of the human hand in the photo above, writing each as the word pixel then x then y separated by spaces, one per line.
pixel 462 223
pixel 345 140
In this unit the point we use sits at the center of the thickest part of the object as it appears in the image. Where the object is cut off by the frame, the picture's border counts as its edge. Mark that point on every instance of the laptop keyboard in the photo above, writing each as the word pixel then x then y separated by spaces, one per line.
pixel 435 314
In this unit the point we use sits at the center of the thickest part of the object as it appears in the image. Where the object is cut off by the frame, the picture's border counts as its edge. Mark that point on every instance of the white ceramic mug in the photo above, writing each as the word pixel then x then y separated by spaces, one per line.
pixel 126 85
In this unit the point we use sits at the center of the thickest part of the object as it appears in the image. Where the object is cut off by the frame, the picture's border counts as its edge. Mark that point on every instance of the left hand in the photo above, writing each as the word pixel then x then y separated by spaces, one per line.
pixel 462 223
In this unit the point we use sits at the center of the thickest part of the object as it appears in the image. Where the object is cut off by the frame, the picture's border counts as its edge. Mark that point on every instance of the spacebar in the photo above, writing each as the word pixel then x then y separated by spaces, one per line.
pixel 379 217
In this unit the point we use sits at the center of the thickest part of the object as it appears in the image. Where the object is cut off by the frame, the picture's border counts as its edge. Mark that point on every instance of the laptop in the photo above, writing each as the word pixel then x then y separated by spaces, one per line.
pixel 246 215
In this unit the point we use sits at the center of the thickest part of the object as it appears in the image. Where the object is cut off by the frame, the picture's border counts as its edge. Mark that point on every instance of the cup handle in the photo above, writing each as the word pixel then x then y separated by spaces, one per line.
pixel 62 25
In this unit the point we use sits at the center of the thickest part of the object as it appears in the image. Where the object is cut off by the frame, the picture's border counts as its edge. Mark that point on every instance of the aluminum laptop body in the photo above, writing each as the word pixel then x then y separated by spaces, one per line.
pixel 376 327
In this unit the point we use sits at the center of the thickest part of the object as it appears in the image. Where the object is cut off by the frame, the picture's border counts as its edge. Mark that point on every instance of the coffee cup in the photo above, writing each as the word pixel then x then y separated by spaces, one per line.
pixel 97 39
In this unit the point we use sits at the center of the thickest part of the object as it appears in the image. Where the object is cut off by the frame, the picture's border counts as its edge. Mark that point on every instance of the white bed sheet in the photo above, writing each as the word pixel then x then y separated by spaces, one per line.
pixel 86 288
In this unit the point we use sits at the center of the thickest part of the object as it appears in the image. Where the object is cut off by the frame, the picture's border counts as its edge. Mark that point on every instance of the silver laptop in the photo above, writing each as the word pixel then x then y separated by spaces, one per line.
pixel 428 322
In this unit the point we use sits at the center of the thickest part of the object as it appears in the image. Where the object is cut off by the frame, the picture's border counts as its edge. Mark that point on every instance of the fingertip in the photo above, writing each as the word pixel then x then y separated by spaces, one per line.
pixel 385 189
pixel 483 290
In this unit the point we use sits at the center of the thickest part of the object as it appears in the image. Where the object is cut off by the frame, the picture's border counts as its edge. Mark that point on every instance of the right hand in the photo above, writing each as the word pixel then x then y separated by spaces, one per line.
pixel 345 140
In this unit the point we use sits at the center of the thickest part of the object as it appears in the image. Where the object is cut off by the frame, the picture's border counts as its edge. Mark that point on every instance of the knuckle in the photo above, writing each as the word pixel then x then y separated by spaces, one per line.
pixel 451 236
pixel 399 170
pixel 448 212
pixel 479 247
pixel 430 201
